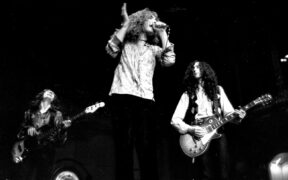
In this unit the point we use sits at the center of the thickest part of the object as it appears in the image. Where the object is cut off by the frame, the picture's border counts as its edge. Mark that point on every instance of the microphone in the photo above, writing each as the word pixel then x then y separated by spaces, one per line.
pixel 160 25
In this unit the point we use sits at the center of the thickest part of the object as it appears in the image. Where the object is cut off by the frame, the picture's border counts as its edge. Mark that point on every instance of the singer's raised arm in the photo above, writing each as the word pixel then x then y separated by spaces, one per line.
pixel 114 44
pixel 166 54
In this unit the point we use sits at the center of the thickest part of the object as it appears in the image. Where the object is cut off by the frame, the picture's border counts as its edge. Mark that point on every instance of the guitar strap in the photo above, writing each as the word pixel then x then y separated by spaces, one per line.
pixel 216 104
pixel 191 111
pixel 217 109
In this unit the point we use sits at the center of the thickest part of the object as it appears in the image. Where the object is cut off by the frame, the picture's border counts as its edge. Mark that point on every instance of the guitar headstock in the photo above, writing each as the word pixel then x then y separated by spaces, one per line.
pixel 93 108
pixel 264 99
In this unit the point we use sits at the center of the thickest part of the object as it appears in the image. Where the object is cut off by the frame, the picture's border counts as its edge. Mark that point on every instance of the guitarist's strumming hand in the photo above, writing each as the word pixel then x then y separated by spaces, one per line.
pixel 197 131
pixel 32 131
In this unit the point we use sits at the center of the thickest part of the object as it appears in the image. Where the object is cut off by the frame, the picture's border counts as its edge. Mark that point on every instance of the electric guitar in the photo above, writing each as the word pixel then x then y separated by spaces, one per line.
pixel 194 146
pixel 27 144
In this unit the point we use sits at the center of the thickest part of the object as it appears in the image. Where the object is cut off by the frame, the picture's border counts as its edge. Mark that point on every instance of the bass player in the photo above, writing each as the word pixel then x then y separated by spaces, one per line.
pixel 44 111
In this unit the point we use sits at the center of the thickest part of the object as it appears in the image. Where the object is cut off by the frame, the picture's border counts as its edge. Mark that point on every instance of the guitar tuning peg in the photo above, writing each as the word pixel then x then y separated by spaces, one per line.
pixel 101 104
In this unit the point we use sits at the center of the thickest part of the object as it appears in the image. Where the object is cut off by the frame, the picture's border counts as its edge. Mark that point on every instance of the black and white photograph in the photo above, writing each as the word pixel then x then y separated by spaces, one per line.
pixel 144 90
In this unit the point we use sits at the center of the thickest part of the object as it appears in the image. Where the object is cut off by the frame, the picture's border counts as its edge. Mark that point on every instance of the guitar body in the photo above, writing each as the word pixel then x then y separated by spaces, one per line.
pixel 22 148
pixel 194 146
pixel 18 151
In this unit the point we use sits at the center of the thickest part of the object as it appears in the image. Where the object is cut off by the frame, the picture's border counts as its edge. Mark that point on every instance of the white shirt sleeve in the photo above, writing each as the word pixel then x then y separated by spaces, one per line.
pixel 225 104
pixel 179 114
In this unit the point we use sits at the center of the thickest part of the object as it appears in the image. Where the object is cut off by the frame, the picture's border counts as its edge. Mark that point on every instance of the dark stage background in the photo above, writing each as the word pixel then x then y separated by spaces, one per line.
pixel 62 47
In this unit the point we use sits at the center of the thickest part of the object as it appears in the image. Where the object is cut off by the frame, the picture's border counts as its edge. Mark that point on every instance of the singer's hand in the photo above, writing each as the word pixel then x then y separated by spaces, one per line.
pixel 159 24
pixel 159 27
pixel 125 16
pixel 159 31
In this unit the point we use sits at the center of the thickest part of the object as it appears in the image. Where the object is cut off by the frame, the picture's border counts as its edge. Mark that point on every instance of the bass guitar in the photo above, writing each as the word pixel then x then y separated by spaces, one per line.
pixel 25 145
pixel 194 146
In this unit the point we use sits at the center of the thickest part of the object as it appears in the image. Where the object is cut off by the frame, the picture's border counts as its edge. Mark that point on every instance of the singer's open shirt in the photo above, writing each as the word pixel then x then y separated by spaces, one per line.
pixel 134 72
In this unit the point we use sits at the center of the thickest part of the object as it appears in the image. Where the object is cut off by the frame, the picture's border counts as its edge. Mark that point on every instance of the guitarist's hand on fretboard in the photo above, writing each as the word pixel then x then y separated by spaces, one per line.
pixel 67 123
pixel 90 109
pixel 241 113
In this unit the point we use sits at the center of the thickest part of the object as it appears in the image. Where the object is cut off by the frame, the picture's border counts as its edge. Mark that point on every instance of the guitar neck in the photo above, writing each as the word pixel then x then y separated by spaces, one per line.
pixel 77 116
pixel 52 130
pixel 220 122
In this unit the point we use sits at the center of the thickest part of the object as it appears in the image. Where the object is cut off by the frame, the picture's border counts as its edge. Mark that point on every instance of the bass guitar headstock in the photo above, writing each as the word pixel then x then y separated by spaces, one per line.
pixel 93 108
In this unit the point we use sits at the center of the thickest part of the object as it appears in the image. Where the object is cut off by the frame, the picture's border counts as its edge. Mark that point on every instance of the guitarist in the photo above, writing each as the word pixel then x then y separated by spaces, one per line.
pixel 44 112
pixel 203 97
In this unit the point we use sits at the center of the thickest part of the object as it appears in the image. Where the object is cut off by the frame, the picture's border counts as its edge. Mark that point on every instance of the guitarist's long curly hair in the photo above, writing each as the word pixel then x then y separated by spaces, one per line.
pixel 35 103
pixel 208 76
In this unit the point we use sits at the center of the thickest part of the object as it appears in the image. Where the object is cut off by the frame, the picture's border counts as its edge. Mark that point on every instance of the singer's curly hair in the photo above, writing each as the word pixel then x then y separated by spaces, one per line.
pixel 136 26
pixel 35 103
pixel 208 77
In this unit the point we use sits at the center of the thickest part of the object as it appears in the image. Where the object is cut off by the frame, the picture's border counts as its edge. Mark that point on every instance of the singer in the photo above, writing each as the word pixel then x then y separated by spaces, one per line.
pixel 138 45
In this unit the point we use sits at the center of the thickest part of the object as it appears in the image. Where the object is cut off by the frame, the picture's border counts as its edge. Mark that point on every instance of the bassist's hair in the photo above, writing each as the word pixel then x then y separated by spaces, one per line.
pixel 34 104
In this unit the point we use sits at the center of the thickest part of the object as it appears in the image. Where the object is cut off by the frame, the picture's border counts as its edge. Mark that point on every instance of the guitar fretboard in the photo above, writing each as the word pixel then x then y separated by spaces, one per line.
pixel 220 122
pixel 77 116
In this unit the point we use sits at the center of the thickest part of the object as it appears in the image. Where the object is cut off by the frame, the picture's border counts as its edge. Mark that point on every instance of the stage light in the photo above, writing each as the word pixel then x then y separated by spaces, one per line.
pixel 278 167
